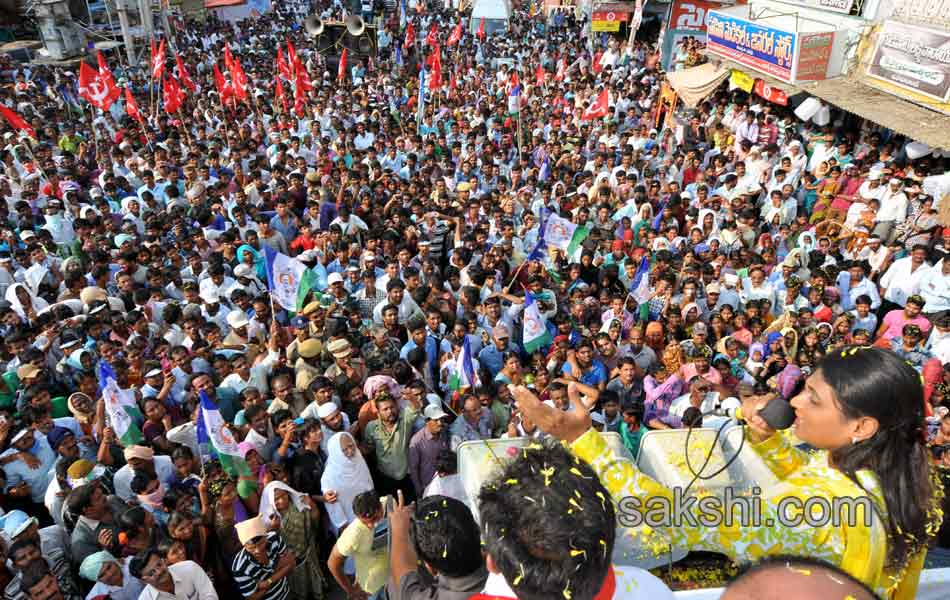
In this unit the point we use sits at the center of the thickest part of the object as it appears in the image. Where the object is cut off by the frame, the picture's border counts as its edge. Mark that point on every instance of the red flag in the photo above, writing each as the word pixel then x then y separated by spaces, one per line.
pixel 302 78
pixel 94 89
pixel 561 70
pixel 158 60
pixel 16 121
pixel 435 61
pixel 105 74
pixel 228 57
pixel 225 91
pixel 596 67
pixel 433 38
pixel 300 95
pixel 455 36
pixel 514 79
pixel 410 36
pixel 453 82
pixel 239 81
pixel 292 56
pixel 539 75
pixel 598 108
pixel 279 93
pixel 172 96
pixel 481 29
pixel 183 74
pixel 282 67
pixel 131 108
pixel 341 71
pixel 238 78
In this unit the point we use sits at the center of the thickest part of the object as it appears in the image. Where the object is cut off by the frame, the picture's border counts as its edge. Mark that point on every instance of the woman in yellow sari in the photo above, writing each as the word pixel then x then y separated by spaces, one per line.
pixel 862 409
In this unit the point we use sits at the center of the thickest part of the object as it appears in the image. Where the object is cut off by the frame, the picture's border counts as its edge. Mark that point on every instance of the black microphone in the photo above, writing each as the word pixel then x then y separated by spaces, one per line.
pixel 778 413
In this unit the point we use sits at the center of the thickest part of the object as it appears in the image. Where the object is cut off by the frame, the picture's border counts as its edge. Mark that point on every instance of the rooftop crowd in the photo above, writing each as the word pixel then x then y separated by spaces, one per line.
pixel 142 247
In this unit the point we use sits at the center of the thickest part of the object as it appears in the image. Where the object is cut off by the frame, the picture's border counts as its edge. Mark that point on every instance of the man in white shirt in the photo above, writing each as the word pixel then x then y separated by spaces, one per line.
pixel 934 286
pixel 903 277
pixel 181 581
pixel 893 211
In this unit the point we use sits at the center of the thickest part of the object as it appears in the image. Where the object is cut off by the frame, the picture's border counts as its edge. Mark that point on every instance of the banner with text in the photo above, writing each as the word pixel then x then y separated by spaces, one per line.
pixel 764 49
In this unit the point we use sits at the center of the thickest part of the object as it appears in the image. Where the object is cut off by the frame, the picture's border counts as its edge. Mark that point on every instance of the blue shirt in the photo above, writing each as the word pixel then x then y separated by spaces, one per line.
pixel 594 376
pixel 38 479
pixel 850 294
pixel 433 350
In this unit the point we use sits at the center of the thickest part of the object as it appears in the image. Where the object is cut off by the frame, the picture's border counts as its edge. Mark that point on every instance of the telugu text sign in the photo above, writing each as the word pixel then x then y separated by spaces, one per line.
pixel 693 14
pixel 764 49
pixel 814 52
pixel 914 58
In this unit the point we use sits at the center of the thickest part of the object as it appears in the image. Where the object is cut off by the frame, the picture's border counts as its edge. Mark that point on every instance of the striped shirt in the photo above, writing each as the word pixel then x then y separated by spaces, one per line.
pixel 248 572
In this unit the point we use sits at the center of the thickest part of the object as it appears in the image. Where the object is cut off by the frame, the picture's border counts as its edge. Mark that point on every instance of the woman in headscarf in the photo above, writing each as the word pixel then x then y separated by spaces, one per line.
pixel 347 475
pixel 111 577
pixel 246 254
pixel 708 222
pixel 292 513
pixel 642 226
pixel 25 304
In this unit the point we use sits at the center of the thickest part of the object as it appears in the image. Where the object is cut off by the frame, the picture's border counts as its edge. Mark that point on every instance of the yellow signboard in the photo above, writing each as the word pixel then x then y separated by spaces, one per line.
pixel 605 25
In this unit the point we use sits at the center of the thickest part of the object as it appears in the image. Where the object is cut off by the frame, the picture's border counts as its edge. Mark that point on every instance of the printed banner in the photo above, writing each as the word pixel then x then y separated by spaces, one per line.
pixel 765 49
pixel 772 94
pixel 914 58
pixel 608 20
pixel 740 80
pixel 693 14
pixel 814 52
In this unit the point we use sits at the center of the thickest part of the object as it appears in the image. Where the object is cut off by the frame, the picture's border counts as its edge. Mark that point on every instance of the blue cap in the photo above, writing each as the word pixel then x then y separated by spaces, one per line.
pixel 299 322
pixel 16 522
pixel 56 436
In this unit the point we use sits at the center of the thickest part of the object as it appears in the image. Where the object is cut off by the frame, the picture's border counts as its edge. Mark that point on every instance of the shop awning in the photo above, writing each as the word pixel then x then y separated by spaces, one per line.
pixel 692 85
pixel 904 117
pixel 914 121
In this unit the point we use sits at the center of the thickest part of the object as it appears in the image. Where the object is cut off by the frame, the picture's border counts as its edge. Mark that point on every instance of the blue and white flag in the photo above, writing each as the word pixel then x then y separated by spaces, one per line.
pixel 213 433
pixel 422 97
pixel 121 408
pixel 535 333
pixel 463 372
pixel 640 286
pixel 284 275
pixel 545 171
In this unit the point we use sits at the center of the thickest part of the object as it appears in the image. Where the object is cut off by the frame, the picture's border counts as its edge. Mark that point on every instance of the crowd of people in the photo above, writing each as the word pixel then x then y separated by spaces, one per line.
pixel 728 247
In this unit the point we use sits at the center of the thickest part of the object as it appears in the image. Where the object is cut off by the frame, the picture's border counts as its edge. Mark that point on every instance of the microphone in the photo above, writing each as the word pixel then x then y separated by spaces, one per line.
pixel 778 413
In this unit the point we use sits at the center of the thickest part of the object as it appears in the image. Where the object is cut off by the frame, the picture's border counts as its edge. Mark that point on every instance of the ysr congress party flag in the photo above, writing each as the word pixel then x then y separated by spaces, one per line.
pixel 562 234
pixel 123 412
pixel 464 375
pixel 284 275
pixel 212 429
pixel 536 334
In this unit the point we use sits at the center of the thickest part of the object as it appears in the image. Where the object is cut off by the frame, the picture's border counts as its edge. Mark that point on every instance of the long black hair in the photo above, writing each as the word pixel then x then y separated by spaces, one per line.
pixel 876 383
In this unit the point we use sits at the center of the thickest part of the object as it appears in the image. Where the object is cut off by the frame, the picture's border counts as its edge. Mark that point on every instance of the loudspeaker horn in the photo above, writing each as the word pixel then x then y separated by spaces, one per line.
pixel 313 25
pixel 355 25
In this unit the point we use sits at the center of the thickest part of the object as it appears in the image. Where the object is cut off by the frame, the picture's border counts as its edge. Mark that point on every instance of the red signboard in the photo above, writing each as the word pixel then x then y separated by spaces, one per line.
pixel 772 94
pixel 692 14
pixel 813 54
pixel 610 16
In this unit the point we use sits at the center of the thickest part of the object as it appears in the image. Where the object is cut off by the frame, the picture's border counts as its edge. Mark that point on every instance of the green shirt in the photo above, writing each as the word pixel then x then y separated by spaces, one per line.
pixel 392 447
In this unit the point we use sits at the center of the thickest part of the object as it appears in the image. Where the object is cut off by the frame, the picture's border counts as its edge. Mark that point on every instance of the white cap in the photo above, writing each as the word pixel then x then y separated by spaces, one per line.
pixel 434 413
pixel 334 278
pixel 237 319
pixel 325 411
pixel 243 270
pixel 210 295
